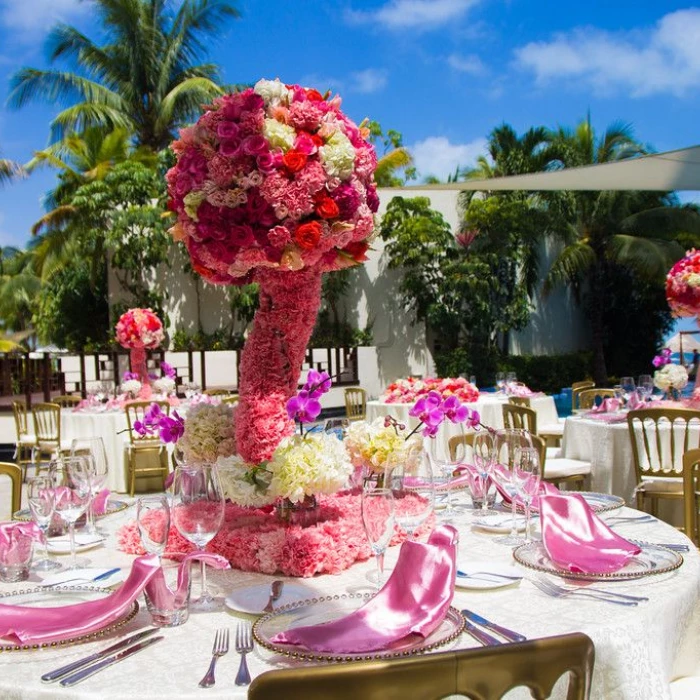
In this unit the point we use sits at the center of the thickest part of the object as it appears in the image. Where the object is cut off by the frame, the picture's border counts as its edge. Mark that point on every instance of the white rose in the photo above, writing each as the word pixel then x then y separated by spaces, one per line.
pixel 338 156
pixel 272 91
pixel 278 134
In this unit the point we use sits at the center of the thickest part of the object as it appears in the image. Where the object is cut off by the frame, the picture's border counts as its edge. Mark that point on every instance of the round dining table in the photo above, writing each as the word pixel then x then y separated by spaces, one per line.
pixel 639 650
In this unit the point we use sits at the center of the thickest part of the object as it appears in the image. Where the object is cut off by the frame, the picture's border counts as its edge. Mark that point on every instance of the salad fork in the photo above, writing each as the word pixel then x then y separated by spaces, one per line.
pixel 220 648
pixel 244 645
pixel 558 592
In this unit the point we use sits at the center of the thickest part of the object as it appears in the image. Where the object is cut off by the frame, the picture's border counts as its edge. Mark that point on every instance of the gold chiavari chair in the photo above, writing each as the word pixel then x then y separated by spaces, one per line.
pixel 481 674
pixel 217 392
pixel 588 397
pixel 552 434
pixel 47 428
pixel 576 389
pixel 66 400
pixel 26 441
pixel 691 494
pixel 355 404
pixel 231 399
pixel 519 418
pixel 559 471
pixel 660 438
pixel 147 454
pixel 15 474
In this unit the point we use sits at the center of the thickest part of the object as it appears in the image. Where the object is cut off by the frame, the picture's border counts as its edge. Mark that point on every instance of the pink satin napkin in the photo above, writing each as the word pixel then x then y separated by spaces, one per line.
pixel 473 478
pixel 99 502
pixel 15 541
pixel 608 405
pixel 578 540
pixel 22 624
pixel 413 602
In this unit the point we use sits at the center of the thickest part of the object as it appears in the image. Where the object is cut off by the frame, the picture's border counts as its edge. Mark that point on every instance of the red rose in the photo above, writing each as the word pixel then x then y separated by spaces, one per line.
pixel 314 95
pixel 308 235
pixel 317 140
pixel 356 250
pixel 326 208
pixel 294 161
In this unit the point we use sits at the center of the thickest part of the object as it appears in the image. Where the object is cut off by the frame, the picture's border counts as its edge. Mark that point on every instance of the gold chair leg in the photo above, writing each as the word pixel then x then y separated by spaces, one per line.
pixel 132 475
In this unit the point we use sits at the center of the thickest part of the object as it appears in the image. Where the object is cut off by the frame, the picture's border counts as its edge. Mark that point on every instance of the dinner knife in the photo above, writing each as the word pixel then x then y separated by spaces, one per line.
pixel 109 661
pixel 52 676
pixel 502 631
pixel 483 637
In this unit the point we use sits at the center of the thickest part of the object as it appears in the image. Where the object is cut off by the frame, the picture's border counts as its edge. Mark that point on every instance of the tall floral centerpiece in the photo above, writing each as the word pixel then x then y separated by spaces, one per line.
pixel 273 184
pixel 139 330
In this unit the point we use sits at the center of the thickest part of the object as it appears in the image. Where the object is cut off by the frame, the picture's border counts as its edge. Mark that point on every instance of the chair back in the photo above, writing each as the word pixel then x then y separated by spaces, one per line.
pixel 467 439
pixel 135 411
pixel 660 437
pixel 691 494
pixel 47 423
pixel 519 418
pixel 231 399
pixel 588 397
pixel 481 674
pixel 519 401
pixel 355 403
pixel 66 400
pixel 15 474
pixel 216 392
pixel 576 389
pixel 20 412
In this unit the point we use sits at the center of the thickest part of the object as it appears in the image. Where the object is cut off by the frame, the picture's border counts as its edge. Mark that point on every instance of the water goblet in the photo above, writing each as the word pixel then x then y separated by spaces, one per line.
pixel 506 442
pixel 500 381
pixel 40 496
pixel 378 517
pixel 483 455
pixel 628 387
pixel 198 513
pixel 645 387
pixel 153 521
pixel 93 450
pixel 446 455
pixel 527 476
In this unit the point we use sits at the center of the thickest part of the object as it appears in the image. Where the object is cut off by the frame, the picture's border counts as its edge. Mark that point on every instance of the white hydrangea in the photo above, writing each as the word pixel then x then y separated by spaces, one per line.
pixel 164 385
pixel 209 432
pixel 671 377
pixel 373 445
pixel 693 279
pixel 338 156
pixel 272 91
pixel 244 483
pixel 278 134
pixel 131 387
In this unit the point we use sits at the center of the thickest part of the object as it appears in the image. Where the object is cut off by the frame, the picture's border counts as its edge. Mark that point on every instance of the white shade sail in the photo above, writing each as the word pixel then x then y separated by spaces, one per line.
pixel 683 342
pixel 672 170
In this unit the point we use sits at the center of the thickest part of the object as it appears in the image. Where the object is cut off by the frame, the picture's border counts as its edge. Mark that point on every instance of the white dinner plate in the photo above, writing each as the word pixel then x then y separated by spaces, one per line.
pixel 85 577
pixel 499 522
pixel 83 542
pixel 253 599
pixel 486 575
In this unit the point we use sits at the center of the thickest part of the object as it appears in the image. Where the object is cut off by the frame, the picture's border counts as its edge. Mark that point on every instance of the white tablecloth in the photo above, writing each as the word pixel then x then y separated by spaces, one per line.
pixel 638 650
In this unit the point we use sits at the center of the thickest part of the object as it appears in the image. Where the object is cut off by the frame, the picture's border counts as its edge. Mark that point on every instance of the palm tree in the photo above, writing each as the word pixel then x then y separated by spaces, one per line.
pixel 19 288
pixel 609 229
pixel 9 170
pixel 146 78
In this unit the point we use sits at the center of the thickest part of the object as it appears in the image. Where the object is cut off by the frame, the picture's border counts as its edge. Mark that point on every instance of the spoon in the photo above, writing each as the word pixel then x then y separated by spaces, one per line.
pixel 275 593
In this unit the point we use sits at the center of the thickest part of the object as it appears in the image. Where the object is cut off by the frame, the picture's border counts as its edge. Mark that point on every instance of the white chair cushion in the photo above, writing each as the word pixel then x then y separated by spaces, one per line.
pixel 562 468
pixel 556 429
pixel 28 439
pixel 686 688
pixel 662 484
pixel 553 453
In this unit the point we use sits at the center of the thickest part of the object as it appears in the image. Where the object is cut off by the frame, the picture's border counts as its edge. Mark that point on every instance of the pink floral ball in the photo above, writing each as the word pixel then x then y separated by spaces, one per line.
pixel 683 285
pixel 139 328
pixel 275 176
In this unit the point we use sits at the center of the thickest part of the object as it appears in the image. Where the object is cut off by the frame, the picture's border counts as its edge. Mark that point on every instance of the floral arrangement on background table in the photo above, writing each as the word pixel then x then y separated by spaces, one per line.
pixel 409 390
pixel 273 184
pixel 669 377
pixel 130 386
pixel 139 330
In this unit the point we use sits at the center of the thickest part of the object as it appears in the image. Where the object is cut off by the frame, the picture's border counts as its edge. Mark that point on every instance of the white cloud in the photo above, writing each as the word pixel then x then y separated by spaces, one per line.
pixel 471 64
pixel 413 14
pixel 662 59
pixel 29 18
pixel 437 156
pixel 367 81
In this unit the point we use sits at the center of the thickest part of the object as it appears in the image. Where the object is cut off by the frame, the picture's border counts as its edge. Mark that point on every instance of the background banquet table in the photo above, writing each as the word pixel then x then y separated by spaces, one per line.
pixel 638 650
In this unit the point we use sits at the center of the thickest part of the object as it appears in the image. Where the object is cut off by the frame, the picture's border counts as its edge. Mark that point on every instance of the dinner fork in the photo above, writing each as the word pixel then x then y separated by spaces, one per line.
pixel 219 649
pixel 557 592
pixel 244 645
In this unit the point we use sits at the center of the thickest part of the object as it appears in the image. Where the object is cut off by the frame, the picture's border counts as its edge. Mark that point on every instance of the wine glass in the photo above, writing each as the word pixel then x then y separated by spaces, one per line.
pixel 506 443
pixel 483 455
pixel 645 386
pixel 500 381
pixel 411 477
pixel 378 517
pixel 445 460
pixel 40 496
pixel 71 495
pixel 628 387
pixel 153 520
pixel 527 477
pixel 198 512
pixel 94 452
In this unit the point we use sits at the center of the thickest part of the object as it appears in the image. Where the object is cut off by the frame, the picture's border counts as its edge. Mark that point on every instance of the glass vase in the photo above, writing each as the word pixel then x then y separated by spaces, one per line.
pixel 304 513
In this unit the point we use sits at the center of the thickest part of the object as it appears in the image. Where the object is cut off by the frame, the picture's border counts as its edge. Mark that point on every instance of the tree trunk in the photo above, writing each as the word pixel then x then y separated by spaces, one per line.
pixel 600 371
pixel 272 358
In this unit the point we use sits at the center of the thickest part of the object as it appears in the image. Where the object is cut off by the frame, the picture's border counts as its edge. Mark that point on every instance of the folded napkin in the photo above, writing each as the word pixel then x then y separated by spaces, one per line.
pixel 22 624
pixel 608 405
pixel 578 540
pixel 16 541
pixel 413 602
pixel 478 484
pixel 99 502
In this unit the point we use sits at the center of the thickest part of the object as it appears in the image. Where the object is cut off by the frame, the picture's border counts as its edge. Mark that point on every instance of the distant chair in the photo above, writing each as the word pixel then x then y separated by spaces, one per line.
pixel 66 400
pixel 147 454
pixel 26 440
pixel 15 474
pixel 523 418
pixel 691 494
pixel 231 399
pixel 576 389
pixel 47 428
pixel 217 392
pixel 560 470
pixel 355 404
pixel 552 434
pixel 587 397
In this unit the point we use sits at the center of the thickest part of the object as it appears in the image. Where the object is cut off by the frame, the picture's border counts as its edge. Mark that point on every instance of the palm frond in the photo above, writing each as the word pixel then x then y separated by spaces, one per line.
pixel 188 92
pixel 10 170
pixel 86 114
pixel 571 266
pixel 662 222
pixel 648 257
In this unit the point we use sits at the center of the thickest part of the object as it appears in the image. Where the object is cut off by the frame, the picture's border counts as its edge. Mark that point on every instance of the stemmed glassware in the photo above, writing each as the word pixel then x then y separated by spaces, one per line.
pixel 93 451
pixel 70 476
pixel 645 386
pixel 40 495
pixel 198 512
pixel 483 449
pixel 378 517
pixel 628 387
pixel 412 476
pixel 528 476
pixel 153 520
pixel 445 460
pixel 506 443
pixel 500 381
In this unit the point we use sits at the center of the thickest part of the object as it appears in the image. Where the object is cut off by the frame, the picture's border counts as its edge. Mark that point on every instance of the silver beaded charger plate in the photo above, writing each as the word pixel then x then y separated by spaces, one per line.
pixel 60 596
pixel 113 506
pixel 598 502
pixel 652 560
pixel 316 611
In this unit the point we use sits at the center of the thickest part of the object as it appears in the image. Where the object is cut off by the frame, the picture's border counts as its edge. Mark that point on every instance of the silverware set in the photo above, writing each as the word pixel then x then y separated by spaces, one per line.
pixel 244 645
pixel 220 649
pixel 604 594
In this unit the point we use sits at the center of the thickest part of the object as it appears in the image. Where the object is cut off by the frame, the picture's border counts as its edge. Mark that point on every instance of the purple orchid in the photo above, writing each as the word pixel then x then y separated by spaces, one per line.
pixel 129 376
pixel 171 429
pixel 664 358
pixel 429 411
pixel 317 383
pixel 303 407
pixel 168 370
pixel 454 410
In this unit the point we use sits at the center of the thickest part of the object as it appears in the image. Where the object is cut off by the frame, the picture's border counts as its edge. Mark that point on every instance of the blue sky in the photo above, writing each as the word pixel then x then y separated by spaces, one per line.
pixel 442 72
